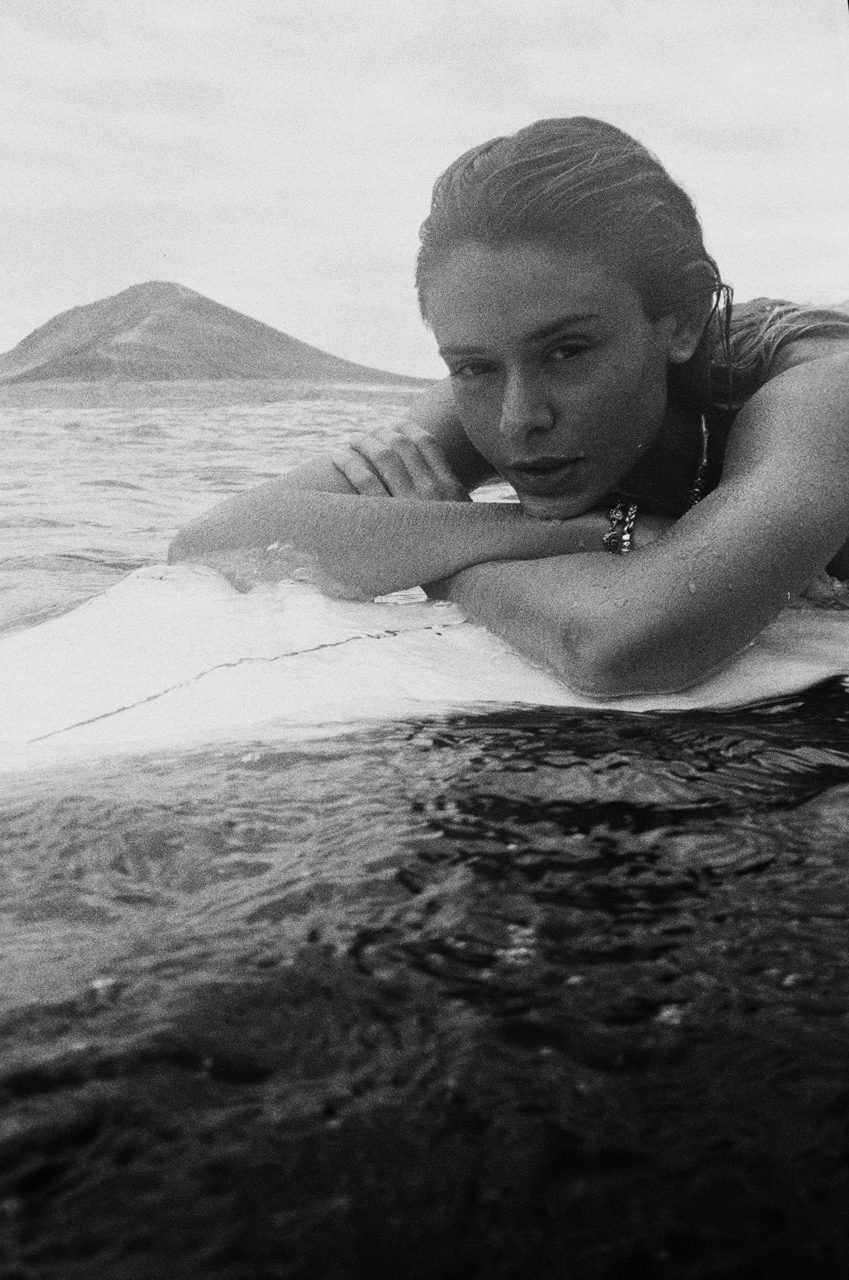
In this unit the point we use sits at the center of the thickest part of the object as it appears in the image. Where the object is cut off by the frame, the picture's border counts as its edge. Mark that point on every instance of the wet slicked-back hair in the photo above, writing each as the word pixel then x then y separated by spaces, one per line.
pixel 585 185
pixel 582 184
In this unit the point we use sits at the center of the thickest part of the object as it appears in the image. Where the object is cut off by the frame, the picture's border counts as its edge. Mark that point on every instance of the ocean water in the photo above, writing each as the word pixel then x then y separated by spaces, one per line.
pixel 448 998
pixel 97 477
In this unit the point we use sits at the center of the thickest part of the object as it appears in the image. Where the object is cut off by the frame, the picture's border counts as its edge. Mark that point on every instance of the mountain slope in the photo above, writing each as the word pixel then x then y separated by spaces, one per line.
pixel 164 331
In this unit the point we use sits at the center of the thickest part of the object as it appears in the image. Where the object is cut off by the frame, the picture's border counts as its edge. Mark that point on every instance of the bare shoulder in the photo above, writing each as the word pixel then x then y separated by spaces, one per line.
pixel 813 348
pixel 769 337
pixel 789 443
pixel 807 387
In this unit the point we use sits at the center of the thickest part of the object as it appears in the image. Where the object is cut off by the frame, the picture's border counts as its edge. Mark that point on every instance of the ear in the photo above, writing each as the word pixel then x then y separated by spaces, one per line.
pixel 687 324
pixel 686 336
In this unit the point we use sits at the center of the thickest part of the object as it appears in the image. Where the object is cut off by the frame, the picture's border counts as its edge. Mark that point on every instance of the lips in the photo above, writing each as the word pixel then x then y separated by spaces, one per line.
pixel 543 475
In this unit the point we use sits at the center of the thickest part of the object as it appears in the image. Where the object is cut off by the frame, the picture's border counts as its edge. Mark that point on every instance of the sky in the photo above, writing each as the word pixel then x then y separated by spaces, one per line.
pixel 278 155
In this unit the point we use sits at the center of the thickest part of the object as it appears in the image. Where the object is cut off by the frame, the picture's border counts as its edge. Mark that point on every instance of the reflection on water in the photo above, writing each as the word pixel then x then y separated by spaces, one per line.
pixel 627 816
pixel 475 988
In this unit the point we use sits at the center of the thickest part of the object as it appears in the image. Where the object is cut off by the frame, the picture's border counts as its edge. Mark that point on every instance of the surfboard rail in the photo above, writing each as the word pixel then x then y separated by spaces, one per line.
pixel 174 657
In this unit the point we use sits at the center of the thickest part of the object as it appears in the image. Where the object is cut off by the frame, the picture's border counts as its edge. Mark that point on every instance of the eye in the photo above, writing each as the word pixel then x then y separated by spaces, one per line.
pixel 567 350
pixel 469 370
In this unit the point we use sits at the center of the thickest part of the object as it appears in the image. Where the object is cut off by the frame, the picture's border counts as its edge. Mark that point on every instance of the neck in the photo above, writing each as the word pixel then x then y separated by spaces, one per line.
pixel 663 477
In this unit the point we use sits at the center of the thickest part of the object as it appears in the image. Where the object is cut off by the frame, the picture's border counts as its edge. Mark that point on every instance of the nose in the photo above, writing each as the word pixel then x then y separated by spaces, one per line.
pixel 524 408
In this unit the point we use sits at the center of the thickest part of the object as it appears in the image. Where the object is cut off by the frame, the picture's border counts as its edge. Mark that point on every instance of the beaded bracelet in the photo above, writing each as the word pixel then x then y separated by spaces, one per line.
pixel 617 540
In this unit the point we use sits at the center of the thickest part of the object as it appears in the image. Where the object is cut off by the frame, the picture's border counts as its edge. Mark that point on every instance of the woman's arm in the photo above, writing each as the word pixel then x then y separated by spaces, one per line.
pixel 371 546
pixel 666 615
pixel 428 457
pixel 428 532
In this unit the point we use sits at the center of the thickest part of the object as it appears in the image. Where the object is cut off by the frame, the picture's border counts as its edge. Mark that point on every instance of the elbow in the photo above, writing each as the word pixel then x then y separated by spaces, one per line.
pixel 196 539
pixel 179 548
pixel 190 543
pixel 618 661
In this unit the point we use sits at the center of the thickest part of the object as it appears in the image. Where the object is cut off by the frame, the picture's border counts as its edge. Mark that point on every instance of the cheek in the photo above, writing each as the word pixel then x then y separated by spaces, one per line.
pixel 629 402
pixel 479 410
pixel 649 400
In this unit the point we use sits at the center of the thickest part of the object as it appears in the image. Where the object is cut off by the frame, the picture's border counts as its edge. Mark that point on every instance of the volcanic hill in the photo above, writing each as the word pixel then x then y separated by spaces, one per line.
pixel 161 331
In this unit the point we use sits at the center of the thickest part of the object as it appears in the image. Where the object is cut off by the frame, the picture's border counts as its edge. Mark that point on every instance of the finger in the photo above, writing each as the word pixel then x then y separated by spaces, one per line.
pixel 429 466
pixel 388 463
pixel 424 483
pixel 362 478
pixel 450 485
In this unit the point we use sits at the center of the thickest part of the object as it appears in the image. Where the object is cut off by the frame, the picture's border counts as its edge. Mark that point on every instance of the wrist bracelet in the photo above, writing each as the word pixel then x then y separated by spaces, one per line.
pixel 617 540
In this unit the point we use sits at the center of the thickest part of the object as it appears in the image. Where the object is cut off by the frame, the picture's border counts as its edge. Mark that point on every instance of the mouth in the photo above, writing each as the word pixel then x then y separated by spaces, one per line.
pixel 543 475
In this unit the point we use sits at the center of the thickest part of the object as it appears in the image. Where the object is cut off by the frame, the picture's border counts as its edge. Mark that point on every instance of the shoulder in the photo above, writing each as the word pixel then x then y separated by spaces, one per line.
pixel 799 411
pixel 768 336
pixel 790 388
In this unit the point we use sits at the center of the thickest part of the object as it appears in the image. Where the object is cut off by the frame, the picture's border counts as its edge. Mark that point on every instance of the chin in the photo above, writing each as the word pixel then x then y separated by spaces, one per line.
pixel 556 507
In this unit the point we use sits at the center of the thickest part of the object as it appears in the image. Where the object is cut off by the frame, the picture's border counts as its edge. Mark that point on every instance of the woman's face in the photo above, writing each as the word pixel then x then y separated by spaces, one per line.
pixel 559 377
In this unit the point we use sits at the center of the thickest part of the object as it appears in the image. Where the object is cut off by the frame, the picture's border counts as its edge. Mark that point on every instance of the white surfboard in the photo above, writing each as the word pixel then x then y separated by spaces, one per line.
pixel 174 657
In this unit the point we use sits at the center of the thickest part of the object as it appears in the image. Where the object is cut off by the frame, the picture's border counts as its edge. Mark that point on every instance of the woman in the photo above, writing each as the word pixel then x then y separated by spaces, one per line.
pixel 594 363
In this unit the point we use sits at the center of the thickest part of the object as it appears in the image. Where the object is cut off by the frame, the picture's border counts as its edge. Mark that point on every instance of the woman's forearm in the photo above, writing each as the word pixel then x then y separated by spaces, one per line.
pixel 569 615
pixel 527 604
pixel 599 622
pixel 380 545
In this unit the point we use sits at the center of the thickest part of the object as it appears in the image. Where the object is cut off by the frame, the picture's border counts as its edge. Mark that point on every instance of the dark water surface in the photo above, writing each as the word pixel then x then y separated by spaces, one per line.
pixel 522 994
pixel 530 994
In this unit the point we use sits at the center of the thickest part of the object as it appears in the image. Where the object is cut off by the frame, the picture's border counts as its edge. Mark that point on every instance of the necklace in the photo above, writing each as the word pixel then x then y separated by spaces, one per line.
pixel 697 492
pixel 623 513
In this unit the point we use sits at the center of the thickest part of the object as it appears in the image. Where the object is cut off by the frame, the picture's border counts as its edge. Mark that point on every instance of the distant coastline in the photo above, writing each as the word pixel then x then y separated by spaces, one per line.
pixel 160 331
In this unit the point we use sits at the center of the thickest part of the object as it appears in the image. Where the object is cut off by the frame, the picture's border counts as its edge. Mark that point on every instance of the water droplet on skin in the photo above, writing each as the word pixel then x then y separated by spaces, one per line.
pixel 671 1015
pixel 104 991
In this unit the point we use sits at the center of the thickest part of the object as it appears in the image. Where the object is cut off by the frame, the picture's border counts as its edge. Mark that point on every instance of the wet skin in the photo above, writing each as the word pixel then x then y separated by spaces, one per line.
pixel 559 378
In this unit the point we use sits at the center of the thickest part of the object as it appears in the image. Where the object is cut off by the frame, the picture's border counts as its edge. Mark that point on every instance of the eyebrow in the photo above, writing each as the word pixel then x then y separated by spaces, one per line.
pixel 537 335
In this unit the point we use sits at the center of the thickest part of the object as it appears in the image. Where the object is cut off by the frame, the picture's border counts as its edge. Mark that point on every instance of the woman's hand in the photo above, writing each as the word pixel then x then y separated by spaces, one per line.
pixel 401 462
